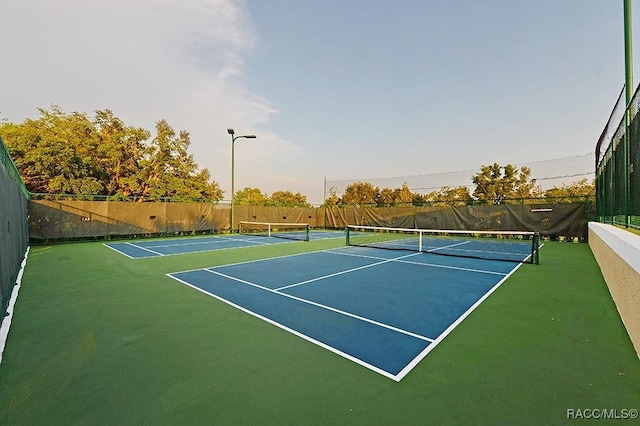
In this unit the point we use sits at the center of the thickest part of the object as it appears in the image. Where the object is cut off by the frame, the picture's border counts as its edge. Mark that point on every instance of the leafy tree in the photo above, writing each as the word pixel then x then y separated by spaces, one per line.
pixel 251 196
pixel 288 198
pixel 55 153
pixel 168 170
pixel 360 193
pixel 458 195
pixel 419 200
pixel 333 199
pixel 392 197
pixel 70 153
pixel 120 150
pixel 386 197
pixel 581 188
pixel 496 183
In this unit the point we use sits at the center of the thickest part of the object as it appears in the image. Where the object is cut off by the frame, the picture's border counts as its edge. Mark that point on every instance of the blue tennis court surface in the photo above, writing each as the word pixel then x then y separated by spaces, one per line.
pixel 385 310
pixel 167 247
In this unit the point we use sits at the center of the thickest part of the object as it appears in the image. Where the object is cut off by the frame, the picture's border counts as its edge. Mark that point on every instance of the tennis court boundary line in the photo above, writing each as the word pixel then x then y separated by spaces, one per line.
pixel 330 251
pixel 329 308
pixel 145 249
pixel 222 238
pixel 432 342
pixel 453 325
pixel 292 331
pixel 125 254
pixel 284 256
pixel 346 271
pixel 434 265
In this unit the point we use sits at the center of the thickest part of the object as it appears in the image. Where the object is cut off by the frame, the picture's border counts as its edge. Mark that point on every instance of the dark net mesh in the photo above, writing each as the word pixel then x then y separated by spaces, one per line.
pixel 618 166
pixel 14 231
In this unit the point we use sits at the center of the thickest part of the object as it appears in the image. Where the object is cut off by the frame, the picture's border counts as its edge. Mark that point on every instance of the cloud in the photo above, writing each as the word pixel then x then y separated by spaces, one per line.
pixel 146 60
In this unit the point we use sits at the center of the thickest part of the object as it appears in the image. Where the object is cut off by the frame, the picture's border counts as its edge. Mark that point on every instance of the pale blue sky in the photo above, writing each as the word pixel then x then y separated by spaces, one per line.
pixel 333 88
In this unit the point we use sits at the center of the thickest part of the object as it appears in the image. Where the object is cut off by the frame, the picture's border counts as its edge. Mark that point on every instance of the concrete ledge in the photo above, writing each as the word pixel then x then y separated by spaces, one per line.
pixel 618 255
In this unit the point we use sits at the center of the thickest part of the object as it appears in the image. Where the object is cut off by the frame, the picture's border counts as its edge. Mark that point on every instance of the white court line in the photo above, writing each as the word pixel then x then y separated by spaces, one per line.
pixel 449 329
pixel 292 331
pixel 213 240
pixel 346 271
pixel 145 249
pixel 252 261
pixel 216 240
pixel 397 377
pixel 121 252
pixel 190 252
pixel 433 265
pixel 319 305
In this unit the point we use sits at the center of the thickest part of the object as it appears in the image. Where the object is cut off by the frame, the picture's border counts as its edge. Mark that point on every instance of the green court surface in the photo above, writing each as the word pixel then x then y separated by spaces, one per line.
pixel 101 339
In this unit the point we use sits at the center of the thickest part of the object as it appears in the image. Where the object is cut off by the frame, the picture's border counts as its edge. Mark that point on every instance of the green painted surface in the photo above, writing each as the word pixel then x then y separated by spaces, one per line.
pixel 101 339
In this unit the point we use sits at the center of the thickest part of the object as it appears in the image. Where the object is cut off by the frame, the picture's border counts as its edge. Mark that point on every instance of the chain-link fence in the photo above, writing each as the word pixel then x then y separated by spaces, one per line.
pixel 14 231
pixel 618 166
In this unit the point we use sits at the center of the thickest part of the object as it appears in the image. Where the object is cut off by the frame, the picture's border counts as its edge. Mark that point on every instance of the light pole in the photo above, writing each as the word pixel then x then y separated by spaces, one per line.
pixel 233 143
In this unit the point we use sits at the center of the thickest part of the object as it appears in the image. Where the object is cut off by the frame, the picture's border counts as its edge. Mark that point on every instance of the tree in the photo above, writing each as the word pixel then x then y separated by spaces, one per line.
pixel 360 193
pixel 496 183
pixel 168 170
pixel 55 153
pixel 458 195
pixel 72 154
pixel 288 198
pixel 581 188
pixel 120 150
pixel 251 196
pixel 333 199
pixel 386 197
pixel 392 197
pixel 419 200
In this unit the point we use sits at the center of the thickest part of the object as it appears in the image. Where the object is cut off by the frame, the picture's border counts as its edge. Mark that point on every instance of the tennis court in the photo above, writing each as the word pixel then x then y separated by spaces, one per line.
pixel 168 247
pixel 385 310
pixel 102 339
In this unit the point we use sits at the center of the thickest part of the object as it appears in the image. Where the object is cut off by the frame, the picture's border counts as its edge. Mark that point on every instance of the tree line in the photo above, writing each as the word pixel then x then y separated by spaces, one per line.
pixel 61 153
pixel 74 154
pixel 494 184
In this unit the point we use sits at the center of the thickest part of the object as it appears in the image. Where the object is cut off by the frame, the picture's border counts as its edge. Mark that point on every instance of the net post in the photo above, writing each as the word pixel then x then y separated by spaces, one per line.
pixel 269 230
pixel 420 241
pixel 536 248
pixel 306 232
pixel 346 233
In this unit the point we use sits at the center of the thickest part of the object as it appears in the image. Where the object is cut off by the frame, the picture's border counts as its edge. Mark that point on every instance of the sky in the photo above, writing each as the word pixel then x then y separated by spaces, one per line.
pixel 336 89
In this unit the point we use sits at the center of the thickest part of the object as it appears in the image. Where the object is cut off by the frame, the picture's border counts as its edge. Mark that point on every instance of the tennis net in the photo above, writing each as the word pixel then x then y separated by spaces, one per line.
pixel 291 231
pixel 514 246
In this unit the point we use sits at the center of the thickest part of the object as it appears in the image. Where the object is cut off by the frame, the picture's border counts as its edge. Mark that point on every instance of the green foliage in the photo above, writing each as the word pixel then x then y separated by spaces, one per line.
pixel 458 195
pixel 120 151
pixel 397 196
pixel 496 183
pixel 360 193
pixel 288 198
pixel 493 183
pixel 251 196
pixel 72 154
pixel 582 188
pixel 255 197
pixel 333 199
